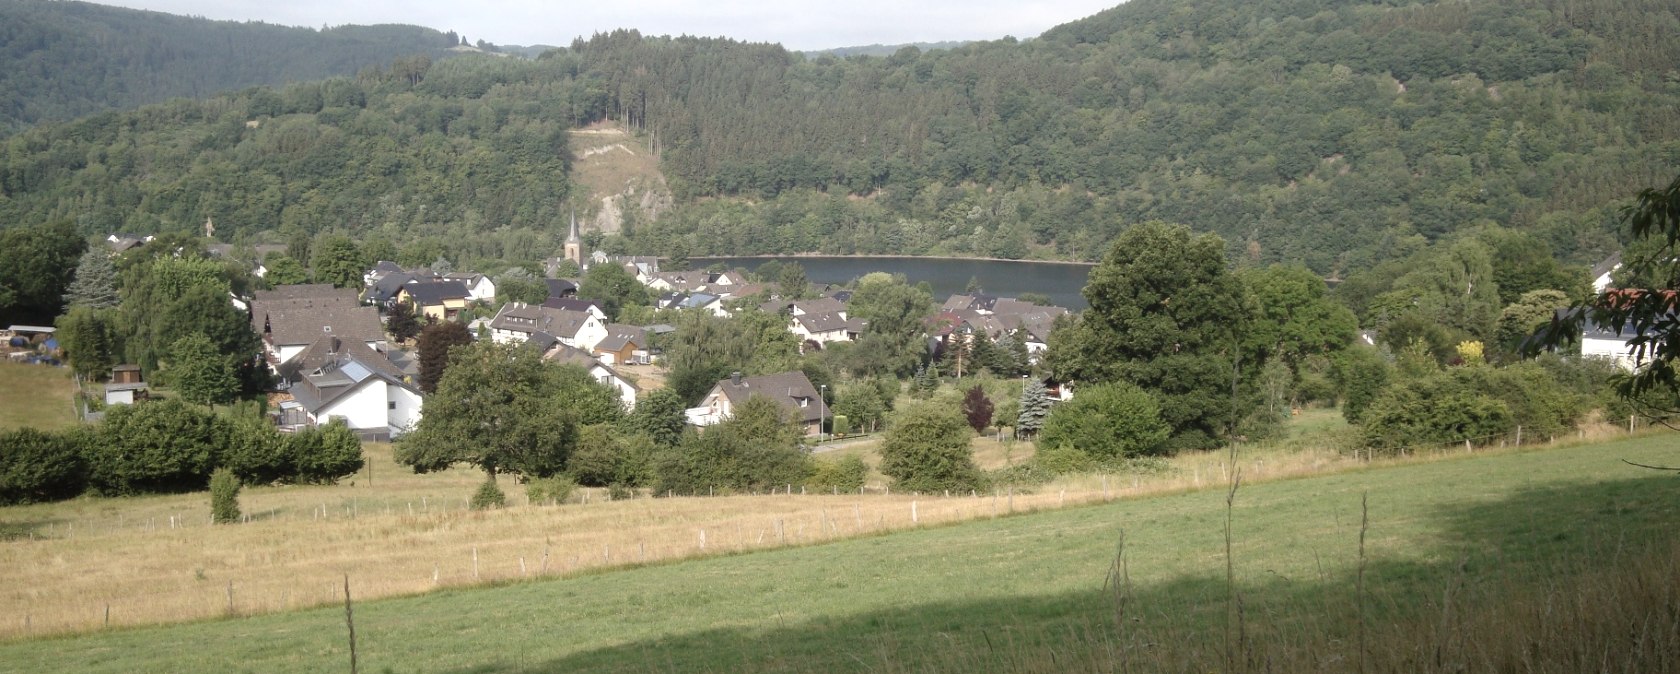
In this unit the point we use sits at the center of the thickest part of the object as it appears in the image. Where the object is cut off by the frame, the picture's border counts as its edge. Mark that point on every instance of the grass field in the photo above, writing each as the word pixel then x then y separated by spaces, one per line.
pixel 990 589
pixel 35 395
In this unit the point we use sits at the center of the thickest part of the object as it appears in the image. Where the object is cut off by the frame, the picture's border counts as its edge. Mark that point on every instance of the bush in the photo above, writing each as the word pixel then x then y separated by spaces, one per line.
pixel 756 449
pixel 1362 374
pixel 620 492
pixel 927 449
pixel 1433 411
pixel 224 497
pixel 1062 459
pixel 488 495
pixel 157 447
pixel 1107 422
pixel 37 466
pixel 323 454
pixel 549 490
pixel 846 474
pixel 255 452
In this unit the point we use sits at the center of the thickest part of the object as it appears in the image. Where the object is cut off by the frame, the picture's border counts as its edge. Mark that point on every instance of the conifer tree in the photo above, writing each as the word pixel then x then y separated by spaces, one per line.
pixel 95 283
pixel 1035 407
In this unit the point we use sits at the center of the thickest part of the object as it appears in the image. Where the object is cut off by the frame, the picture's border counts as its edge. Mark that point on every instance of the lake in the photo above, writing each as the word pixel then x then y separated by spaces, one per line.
pixel 948 276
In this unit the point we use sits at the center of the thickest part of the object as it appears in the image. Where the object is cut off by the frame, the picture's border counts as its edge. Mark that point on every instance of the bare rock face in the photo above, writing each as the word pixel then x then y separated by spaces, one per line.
pixel 618 172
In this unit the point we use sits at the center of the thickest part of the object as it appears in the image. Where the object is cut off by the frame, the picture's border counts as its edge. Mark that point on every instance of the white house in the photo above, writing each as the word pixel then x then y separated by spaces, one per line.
pixel 517 322
pixel 479 287
pixel 599 371
pixel 792 390
pixel 821 328
pixel 336 378
pixel 290 318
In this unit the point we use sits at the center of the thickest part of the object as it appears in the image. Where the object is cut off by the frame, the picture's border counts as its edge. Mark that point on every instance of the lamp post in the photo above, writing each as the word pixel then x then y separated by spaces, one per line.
pixel 822 402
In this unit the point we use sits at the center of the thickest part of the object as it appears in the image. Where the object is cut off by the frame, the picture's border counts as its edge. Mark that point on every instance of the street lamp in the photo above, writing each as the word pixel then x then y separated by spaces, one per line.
pixel 822 410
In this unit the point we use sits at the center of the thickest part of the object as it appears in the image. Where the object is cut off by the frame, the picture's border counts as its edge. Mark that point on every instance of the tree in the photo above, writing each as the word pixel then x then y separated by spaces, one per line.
pixel 338 261
pixel 323 454
pixel 166 298
pixel 1453 287
pixel 518 284
pixel 39 466
pixel 977 409
pixel 1106 422
pixel 613 287
pixel 1168 316
pixel 1035 408
pixel 1519 320
pixel 436 342
pixel 285 270
pixel 95 283
pixel 861 403
pixel 927 449
pixel 36 266
pixel 224 497
pixel 756 448
pixel 1649 311
pixel 791 280
pixel 88 336
pixel 403 322
pixel 499 407
pixel 1293 316
pixel 659 415
pixel 895 311
pixel 199 372
pixel 159 447
pixel 1362 375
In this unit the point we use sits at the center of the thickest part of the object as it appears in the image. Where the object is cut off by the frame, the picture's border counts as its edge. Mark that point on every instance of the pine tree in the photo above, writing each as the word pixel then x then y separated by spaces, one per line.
pixel 95 284
pixel 1035 407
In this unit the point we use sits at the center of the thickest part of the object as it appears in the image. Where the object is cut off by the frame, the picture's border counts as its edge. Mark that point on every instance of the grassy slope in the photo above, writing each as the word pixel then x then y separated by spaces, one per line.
pixel 32 395
pixel 910 598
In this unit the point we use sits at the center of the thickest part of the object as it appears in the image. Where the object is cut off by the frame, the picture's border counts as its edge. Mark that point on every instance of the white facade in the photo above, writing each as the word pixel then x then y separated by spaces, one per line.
pixel 363 408
pixel 402 409
pixel 1614 349
pixel 626 390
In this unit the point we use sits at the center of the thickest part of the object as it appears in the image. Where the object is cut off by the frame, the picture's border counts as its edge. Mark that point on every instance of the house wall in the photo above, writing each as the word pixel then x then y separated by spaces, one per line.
pixel 626 392
pixel 363 409
pixel 1614 349
pixel 407 413
pixel 589 335
pixel 287 352
pixel 509 336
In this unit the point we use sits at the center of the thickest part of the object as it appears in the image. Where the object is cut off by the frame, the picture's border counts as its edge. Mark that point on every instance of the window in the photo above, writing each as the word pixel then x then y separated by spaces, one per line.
pixel 391 405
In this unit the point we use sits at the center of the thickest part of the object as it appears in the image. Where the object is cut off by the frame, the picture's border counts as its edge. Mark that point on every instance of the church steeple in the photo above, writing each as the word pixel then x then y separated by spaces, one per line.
pixel 574 243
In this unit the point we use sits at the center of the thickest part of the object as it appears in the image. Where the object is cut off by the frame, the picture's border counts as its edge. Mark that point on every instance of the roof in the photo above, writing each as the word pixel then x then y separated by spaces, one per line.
pixel 385 289
pixel 328 350
pixel 820 305
pixel 527 318
pixel 302 321
pixel 304 291
pixel 336 368
pixel 433 293
pixel 788 389
pixel 573 304
pixel 824 322
pixel 620 336
pixel 698 300
pixel 1608 265
pixel 559 286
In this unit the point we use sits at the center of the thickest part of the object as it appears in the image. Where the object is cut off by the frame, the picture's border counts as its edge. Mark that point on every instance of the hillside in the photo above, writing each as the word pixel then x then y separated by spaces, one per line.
pixel 1334 133
pixel 1446 556
pixel 62 60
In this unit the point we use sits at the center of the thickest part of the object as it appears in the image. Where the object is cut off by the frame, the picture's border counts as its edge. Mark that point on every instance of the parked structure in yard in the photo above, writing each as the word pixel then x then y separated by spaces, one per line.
pixel 792 390
pixel 125 387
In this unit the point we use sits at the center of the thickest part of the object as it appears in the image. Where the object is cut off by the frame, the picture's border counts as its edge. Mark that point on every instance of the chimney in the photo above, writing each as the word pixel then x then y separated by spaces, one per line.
pixel 735 378
pixel 333 345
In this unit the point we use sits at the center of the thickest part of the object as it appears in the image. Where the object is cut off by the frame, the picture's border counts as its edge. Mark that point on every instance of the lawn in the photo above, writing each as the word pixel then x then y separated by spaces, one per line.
pixel 1031 583
pixel 36 395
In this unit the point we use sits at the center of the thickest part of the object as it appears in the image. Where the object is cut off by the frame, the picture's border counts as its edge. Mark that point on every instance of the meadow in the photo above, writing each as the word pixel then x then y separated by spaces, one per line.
pixel 36 395
pixel 1308 569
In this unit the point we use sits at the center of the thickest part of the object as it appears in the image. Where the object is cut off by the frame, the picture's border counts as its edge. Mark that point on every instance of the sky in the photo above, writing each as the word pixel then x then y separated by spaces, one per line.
pixel 796 24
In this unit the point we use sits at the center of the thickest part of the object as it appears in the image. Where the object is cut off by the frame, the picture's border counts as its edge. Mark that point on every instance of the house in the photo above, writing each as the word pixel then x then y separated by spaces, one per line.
pixel 480 288
pixel 436 300
pixel 383 292
pixel 574 304
pixel 517 322
pixel 623 344
pixel 1601 272
pixel 290 318
pixel 820 329
pixel 704 302
pixel 820 305
pixel 125 387
pixel 121 243
pixel 380 270
pixel 337 378
pixel 1611 342
pixel 559 287
pixel 599 371
pixel 792 390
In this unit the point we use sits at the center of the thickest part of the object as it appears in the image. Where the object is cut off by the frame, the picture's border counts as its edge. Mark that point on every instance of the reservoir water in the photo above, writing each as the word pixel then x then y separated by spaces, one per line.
pixel 1003 278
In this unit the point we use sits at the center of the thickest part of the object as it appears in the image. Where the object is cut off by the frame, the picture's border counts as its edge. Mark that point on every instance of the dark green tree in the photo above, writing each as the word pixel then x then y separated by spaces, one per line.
pixel 39 466
pixel 926 448
pixel 403 322
pixel 36 266
pixel 285 270
pixel 224 497
pixel 1168 316
pixel 658 415
pixel 613 287
pixel 160 447
pixel 337 260
pixel 895 311
pixel 1107 422
pixel 977 409
pixel 88 336
pixel 435 345
pixel 199 373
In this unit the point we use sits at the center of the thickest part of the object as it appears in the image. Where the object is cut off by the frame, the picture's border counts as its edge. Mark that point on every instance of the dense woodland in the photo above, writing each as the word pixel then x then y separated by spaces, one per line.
pixel 62 60
pixel 1315 131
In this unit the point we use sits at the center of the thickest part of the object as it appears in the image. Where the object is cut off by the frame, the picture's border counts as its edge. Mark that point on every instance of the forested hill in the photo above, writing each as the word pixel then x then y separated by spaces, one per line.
pixel 1333 132
pixel 62 60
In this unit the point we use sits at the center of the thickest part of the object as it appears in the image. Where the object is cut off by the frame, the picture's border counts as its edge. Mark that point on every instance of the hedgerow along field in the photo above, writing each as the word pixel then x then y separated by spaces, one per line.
pixel 1444 543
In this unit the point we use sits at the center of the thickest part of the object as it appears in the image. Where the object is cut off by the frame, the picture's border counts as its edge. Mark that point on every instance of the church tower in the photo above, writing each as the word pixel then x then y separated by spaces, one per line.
pixel 574 244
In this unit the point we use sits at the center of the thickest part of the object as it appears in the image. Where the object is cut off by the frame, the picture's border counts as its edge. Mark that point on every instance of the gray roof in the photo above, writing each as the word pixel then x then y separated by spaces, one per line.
pixel 304 291
pixel 820 305
pixel 528 318
pixel 788 389
pixel 385 289
pixel 823 322
pixel 302 321
pixel 335 369
pixel 573 304
pixel 432 293
pixel 620 335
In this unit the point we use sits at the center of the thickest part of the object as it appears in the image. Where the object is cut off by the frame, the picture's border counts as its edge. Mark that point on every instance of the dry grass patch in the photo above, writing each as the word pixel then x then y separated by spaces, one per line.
pixel 36 395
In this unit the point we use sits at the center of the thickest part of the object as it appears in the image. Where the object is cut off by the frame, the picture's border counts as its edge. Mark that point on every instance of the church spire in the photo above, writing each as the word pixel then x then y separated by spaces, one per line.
pixel 573 237
pixel 574 243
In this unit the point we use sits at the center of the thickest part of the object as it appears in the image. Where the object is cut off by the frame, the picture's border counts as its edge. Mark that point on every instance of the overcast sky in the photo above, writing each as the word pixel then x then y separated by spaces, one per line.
pixel 796 24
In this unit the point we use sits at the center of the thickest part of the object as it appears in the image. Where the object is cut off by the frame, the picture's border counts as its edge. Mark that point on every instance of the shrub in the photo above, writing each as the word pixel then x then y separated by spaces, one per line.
pixel 618 491
pixel 1432 411
pixel 38 466
pixel 255 452
pixel 488 495
pixel 846 474
pixel 550 490
pixel 598 457
pixel 1106 422
pixel 156 447
pixel 1062 459
pixel 927 449
pixel 1362 374
pixel 977 408
pixel 755 449
pixel 323 454
pixel 224 497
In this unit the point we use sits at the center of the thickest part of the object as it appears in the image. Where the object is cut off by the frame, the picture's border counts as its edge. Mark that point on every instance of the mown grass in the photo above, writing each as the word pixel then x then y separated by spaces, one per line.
pixel 1023 593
